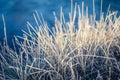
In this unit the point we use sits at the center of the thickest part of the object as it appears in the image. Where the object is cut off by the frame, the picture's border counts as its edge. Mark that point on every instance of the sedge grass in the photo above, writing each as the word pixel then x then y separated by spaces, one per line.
pixel 65 52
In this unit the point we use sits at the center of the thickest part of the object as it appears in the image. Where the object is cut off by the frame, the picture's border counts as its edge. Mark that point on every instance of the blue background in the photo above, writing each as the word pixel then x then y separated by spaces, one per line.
pixel 18 12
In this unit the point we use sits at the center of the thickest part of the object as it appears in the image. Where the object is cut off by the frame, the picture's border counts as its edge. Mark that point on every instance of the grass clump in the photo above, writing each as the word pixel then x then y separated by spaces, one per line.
pixel 78 49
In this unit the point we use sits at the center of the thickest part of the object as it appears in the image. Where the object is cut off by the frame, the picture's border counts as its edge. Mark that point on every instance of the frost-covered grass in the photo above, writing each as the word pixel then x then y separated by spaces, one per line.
pixel 82 48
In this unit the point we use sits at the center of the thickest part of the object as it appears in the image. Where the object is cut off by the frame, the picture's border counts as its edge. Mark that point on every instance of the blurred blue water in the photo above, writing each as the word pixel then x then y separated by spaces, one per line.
pixel 18 12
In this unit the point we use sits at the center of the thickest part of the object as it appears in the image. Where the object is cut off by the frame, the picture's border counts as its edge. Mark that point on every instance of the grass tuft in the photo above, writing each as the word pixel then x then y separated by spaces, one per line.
pixel 78 49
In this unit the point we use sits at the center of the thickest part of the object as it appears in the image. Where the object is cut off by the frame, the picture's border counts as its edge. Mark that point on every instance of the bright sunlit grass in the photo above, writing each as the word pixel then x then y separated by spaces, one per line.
pixel 82 50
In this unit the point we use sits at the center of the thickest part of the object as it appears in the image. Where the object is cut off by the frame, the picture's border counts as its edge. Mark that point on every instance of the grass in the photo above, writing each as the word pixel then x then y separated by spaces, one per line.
pixel 82 48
